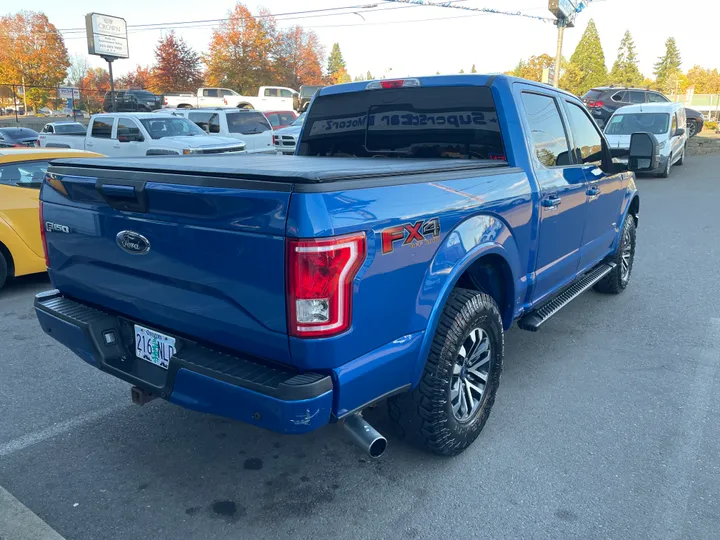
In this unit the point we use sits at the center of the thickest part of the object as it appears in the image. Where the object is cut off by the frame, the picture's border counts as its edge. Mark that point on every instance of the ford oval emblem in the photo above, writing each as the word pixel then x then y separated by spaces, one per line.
pixel 132 242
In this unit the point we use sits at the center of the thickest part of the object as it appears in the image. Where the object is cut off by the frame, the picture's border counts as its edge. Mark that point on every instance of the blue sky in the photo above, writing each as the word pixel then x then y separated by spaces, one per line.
pixel 386 42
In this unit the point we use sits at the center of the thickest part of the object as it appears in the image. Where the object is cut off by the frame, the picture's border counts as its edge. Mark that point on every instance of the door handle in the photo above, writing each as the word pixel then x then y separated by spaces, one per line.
pixel 116 145
pixel 551 203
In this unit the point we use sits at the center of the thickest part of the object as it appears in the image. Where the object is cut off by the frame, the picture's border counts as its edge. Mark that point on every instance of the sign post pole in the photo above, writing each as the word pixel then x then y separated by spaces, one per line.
pixel 112 82
pixel 558 53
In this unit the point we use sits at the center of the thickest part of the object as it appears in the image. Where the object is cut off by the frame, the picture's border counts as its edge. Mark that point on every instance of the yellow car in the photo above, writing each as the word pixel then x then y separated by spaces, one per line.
pixel 21 174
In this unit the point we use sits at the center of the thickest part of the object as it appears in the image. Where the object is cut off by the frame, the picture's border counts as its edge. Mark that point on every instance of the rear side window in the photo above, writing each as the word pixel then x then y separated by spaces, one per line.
pixel 210 92
pixel 547 130
pixel 588 142
pixel 637 97
pixel 430 122
pixel 271 92
pixel 102 128
pixel 654 97
pixel 619 97
pixel 208 121
pixel 247 123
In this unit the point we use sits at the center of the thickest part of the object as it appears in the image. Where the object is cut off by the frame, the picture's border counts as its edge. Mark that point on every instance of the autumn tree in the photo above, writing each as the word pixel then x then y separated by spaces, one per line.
pixel 32 55
pixel 94 87
pixel 298 58
pixel 177 67
pixel 587 63
pixel 472 69
pixel 242 51
pixel 667 68
pixel 139 78
pixel 336 68
pixel 704 80
pixel 532 68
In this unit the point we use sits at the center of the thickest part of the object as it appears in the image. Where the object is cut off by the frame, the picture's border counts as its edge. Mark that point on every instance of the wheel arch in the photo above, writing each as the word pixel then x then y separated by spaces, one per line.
pixel 245 105
pixel 5 252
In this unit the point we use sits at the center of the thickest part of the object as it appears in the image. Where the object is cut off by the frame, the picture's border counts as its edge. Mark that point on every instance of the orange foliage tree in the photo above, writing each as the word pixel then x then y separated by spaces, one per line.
pixel 93 88
pixel 33 55
pixel 140 78
pixel 298 58
pixel 177 66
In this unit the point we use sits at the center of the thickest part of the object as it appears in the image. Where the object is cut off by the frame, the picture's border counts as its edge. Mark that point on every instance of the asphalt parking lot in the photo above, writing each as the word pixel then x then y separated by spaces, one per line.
pixel 605 426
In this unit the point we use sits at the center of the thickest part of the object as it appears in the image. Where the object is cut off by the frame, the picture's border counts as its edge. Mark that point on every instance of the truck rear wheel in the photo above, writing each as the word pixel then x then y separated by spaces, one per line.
pixel 617 280
pixel 449 408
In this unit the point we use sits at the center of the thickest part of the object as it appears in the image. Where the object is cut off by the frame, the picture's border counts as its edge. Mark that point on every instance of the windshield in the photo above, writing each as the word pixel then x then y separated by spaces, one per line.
pixel 429 122
pixel 627 124
pixel 70 128
pixel 172 126
pixel 299 120
pixel 23 174
pixel 247 123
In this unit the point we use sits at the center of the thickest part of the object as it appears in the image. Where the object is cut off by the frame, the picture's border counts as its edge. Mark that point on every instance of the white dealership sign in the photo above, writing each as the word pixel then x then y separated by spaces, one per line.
pixel 106 36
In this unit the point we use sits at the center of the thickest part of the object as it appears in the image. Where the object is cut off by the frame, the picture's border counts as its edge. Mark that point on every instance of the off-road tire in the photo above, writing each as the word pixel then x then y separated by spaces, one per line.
pixel 616 281
pixel 3 270
pixel 424 416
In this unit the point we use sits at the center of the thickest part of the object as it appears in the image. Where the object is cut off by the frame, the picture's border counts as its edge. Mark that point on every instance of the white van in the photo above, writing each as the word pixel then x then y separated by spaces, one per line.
pixel 250 126
pixel 664 120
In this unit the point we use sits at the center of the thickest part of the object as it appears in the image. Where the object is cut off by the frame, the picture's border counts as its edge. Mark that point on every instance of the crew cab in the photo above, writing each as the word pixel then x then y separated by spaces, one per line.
pixel 419 219
pixel 251 127
pixel 64 128
pixel 142 134
pixel 268 98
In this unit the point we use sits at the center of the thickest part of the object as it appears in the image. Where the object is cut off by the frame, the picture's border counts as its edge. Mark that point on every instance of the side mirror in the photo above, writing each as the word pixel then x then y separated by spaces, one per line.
pixel 679 132
pixel 643 155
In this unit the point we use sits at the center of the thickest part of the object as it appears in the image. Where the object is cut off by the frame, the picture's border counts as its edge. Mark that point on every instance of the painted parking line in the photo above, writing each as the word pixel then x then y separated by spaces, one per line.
pixel 56 429
pixel 17 522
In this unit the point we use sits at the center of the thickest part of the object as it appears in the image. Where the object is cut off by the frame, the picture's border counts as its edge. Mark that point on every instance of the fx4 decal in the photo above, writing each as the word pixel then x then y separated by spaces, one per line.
pixel 413 234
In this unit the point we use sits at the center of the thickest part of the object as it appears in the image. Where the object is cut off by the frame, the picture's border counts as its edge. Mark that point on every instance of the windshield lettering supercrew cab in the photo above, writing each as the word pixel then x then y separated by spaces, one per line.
pixel 417 221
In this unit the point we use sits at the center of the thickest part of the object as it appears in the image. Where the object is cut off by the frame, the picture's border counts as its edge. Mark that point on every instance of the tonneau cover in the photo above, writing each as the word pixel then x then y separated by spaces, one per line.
pixel 273 168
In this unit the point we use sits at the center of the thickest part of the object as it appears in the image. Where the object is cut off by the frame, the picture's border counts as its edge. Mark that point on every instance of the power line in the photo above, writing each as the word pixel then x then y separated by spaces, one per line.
pixel 469 8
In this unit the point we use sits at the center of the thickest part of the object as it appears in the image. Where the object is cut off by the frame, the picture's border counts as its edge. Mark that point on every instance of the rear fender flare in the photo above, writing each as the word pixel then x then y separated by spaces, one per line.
pixel 474 238
pixel 630 196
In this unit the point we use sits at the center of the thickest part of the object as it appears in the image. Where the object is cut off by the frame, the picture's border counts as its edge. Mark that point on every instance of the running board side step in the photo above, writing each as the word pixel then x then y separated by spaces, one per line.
pixel 534 319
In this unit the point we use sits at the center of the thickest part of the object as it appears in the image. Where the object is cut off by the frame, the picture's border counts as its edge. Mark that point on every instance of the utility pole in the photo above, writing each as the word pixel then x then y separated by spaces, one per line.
pixel 558 54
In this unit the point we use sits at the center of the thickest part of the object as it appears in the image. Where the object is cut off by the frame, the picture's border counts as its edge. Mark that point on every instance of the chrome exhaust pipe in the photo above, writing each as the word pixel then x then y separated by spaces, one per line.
pixel 365 436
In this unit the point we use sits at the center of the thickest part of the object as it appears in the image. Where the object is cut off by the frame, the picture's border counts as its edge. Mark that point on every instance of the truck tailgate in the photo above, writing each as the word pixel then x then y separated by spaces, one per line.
pixel 202 257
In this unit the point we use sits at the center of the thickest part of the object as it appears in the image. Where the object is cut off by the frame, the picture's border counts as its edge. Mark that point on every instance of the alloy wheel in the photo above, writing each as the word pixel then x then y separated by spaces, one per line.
pixel 470 374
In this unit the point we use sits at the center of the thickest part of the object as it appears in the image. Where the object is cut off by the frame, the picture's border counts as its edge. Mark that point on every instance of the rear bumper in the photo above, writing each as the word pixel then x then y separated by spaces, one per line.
pixel 198 378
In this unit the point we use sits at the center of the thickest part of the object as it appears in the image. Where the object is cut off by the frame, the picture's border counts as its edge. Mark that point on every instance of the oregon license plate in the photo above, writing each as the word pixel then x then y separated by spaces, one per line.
pixel 153 347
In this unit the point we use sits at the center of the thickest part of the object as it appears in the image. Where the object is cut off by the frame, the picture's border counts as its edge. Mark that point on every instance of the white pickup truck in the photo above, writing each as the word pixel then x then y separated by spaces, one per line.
pixel 143 134
pixel 269 98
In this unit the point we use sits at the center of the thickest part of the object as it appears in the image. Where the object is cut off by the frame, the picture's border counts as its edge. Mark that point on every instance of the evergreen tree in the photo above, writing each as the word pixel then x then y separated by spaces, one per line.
pixel 368 76
pixel 625 71
pixel 472 69
pixel 668 65
pixel 462 71
pixel 336 62
pixel 589 60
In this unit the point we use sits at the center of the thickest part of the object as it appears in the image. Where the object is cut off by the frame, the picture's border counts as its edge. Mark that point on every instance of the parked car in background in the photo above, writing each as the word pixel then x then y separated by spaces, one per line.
pixel 132 101
pixel 269 98
pixel 143 134
pixel 285 139
pixel 17 137
pixel 301 101
pixel 603 101
pixel 280 119
pixel 247 125
pixel 64 128
pixel 664 120
pixel 21 174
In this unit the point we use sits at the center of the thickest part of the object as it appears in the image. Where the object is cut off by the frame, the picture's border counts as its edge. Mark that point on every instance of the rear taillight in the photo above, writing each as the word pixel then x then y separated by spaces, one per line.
pixel 43 237
pixel 319 277
pixel 595 104
pixel 165 101
pixel 16 145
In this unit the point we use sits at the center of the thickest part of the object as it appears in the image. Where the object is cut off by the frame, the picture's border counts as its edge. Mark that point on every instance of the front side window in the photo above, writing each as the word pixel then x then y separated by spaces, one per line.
pixel 247 123
pixel 588 142
pixel 225 92
pixel 128 131
pixel 673 124
pixel 23 174
pixel 546 129
pixel 207 121
pixel 102 127
pixel 286 93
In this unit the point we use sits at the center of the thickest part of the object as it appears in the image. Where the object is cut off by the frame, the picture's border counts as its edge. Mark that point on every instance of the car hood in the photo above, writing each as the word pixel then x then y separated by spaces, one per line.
pixel 200 141
pixel 290 130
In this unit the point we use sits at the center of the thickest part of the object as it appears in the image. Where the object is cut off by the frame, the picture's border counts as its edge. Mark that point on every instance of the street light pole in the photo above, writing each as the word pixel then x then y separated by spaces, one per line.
pixel 558 54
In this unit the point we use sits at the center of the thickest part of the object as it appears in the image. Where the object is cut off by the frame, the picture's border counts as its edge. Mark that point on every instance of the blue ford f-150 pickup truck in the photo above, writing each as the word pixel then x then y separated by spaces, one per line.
pixel 419 219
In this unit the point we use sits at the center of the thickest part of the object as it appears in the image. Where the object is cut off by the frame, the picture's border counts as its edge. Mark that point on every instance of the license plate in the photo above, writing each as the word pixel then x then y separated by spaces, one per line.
pixel 153 347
